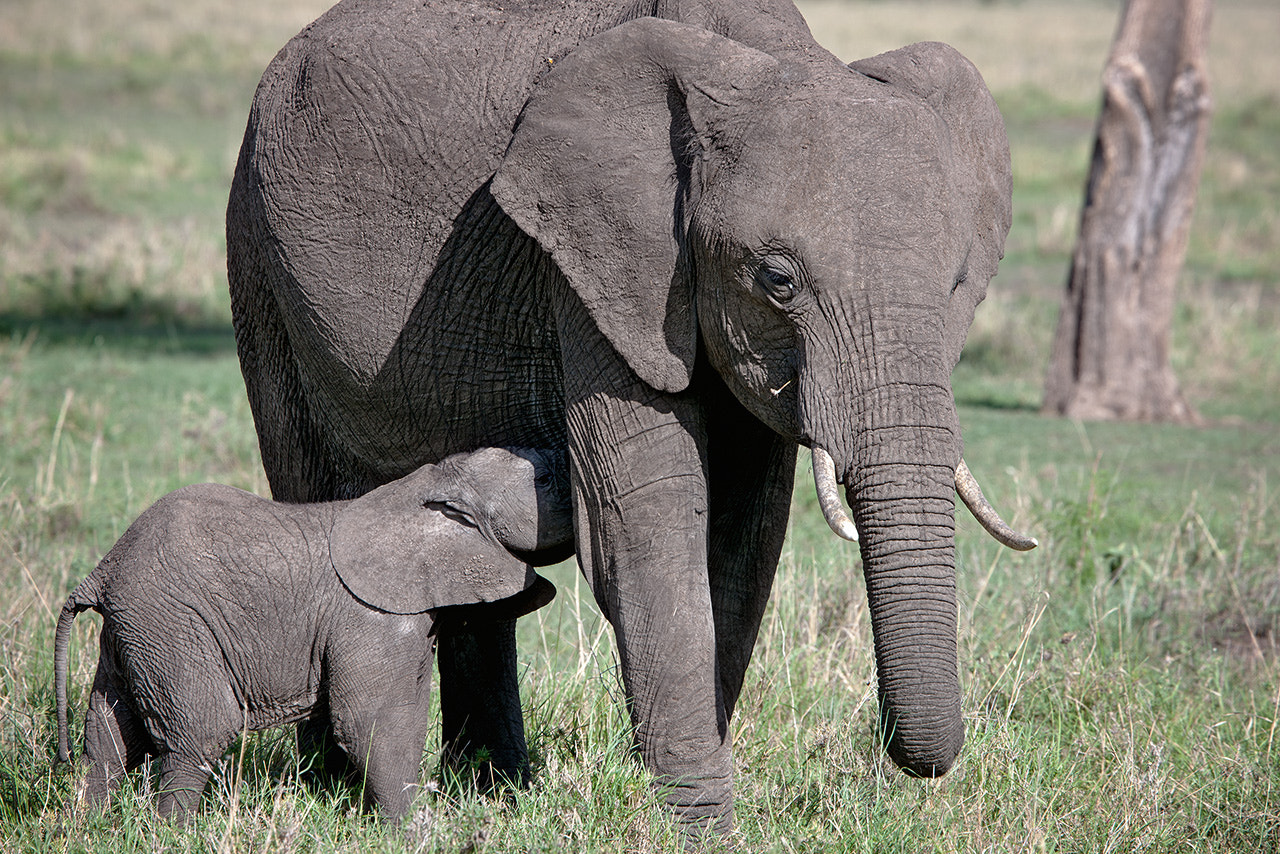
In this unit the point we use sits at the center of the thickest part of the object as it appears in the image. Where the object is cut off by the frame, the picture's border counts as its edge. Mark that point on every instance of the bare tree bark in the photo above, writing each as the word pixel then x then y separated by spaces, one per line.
pixel 1111 350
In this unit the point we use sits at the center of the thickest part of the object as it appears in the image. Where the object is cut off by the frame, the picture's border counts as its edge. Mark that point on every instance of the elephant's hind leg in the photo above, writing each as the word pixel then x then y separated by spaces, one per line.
pixel 293 447
pixel 295 453
pixel 182 781
pixel 115 740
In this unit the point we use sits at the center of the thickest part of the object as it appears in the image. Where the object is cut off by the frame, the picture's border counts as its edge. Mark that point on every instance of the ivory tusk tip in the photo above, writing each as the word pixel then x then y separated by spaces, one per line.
pixel 846 531
pixel 1024 545
pixel 971 493
pixel 824 481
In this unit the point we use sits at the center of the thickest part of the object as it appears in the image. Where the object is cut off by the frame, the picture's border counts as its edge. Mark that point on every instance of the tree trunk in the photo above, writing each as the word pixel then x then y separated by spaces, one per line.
pixel 1111 351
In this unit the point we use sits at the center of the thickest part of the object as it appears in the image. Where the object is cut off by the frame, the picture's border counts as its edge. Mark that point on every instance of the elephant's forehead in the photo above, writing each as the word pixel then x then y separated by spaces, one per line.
pixel 868 147
pixel 842 180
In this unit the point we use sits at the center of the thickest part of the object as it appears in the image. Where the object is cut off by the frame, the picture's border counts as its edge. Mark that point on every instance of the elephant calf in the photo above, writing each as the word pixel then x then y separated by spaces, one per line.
pixel 224 612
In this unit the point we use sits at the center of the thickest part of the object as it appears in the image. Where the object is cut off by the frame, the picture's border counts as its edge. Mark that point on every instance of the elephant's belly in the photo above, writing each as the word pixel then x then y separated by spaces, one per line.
pixel 435 400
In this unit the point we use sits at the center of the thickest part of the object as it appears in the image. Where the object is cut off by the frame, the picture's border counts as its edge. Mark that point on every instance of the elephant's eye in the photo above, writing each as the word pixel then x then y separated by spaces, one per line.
pixel 778 282
pixel 451 512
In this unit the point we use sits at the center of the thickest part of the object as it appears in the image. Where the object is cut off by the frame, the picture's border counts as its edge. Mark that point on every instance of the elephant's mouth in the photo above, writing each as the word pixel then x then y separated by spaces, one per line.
pixel 828 489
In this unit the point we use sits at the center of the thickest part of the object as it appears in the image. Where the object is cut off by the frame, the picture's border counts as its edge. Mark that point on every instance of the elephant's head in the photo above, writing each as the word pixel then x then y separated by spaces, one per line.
pixel 461 532
pixel 823 233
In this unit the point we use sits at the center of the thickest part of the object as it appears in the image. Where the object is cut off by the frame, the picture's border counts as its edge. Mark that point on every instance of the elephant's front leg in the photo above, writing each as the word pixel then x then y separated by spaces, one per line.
pixel 481 720
pixel 640 496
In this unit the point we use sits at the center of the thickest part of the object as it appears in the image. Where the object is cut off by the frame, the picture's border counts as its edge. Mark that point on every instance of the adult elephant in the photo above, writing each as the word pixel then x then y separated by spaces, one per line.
pixel 677 238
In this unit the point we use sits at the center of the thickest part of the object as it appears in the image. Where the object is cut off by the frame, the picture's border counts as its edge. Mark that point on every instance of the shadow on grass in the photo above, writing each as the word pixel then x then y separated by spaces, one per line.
pixel 987 399
pixel 97 307
pixel 81 314
pixel 187 336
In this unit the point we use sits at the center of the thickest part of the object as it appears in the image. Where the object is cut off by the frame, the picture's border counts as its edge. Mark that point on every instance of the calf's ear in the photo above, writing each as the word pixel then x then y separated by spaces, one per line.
pixel 397 552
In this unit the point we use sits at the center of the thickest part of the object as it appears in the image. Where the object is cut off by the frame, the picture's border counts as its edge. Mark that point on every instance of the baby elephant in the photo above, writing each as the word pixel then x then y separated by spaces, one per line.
pixel 224 612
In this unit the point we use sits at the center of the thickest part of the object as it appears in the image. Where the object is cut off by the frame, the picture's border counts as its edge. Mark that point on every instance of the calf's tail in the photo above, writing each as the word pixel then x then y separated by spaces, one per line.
pixel 84 597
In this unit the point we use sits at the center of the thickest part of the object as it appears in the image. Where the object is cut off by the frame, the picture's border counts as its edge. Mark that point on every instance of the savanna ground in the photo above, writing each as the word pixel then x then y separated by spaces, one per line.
pixel 1122 690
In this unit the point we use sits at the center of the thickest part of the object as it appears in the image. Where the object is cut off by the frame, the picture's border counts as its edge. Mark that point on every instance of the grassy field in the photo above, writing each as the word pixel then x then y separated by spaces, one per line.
pixel 1122 690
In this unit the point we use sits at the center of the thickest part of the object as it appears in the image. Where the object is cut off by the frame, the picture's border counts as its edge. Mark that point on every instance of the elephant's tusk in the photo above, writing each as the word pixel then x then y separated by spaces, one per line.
pixel 824 480
pixel 971 494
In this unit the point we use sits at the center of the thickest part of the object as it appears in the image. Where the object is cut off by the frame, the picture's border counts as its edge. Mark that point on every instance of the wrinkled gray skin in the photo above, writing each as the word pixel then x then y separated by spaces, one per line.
pixel 678 248
pixel 222 611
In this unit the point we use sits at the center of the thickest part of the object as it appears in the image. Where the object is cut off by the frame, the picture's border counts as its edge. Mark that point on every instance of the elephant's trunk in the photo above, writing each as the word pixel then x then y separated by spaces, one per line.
pixel 896 449
pixel 906 515
pixel 897 464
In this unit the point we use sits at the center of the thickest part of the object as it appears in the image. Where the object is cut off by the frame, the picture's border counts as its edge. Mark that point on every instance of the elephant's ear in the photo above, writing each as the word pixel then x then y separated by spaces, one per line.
pixel 403 550
pixel 949 83
pixel 604 164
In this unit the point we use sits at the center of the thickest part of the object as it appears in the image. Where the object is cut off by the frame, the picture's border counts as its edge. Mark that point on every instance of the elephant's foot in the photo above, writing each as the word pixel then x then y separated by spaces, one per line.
pixel 702 826
pixel 466 767
pixel 701 806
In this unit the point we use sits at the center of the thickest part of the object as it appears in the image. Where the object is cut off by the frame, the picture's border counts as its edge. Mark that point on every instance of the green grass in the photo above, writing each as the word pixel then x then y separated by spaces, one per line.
pixel 1122 691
